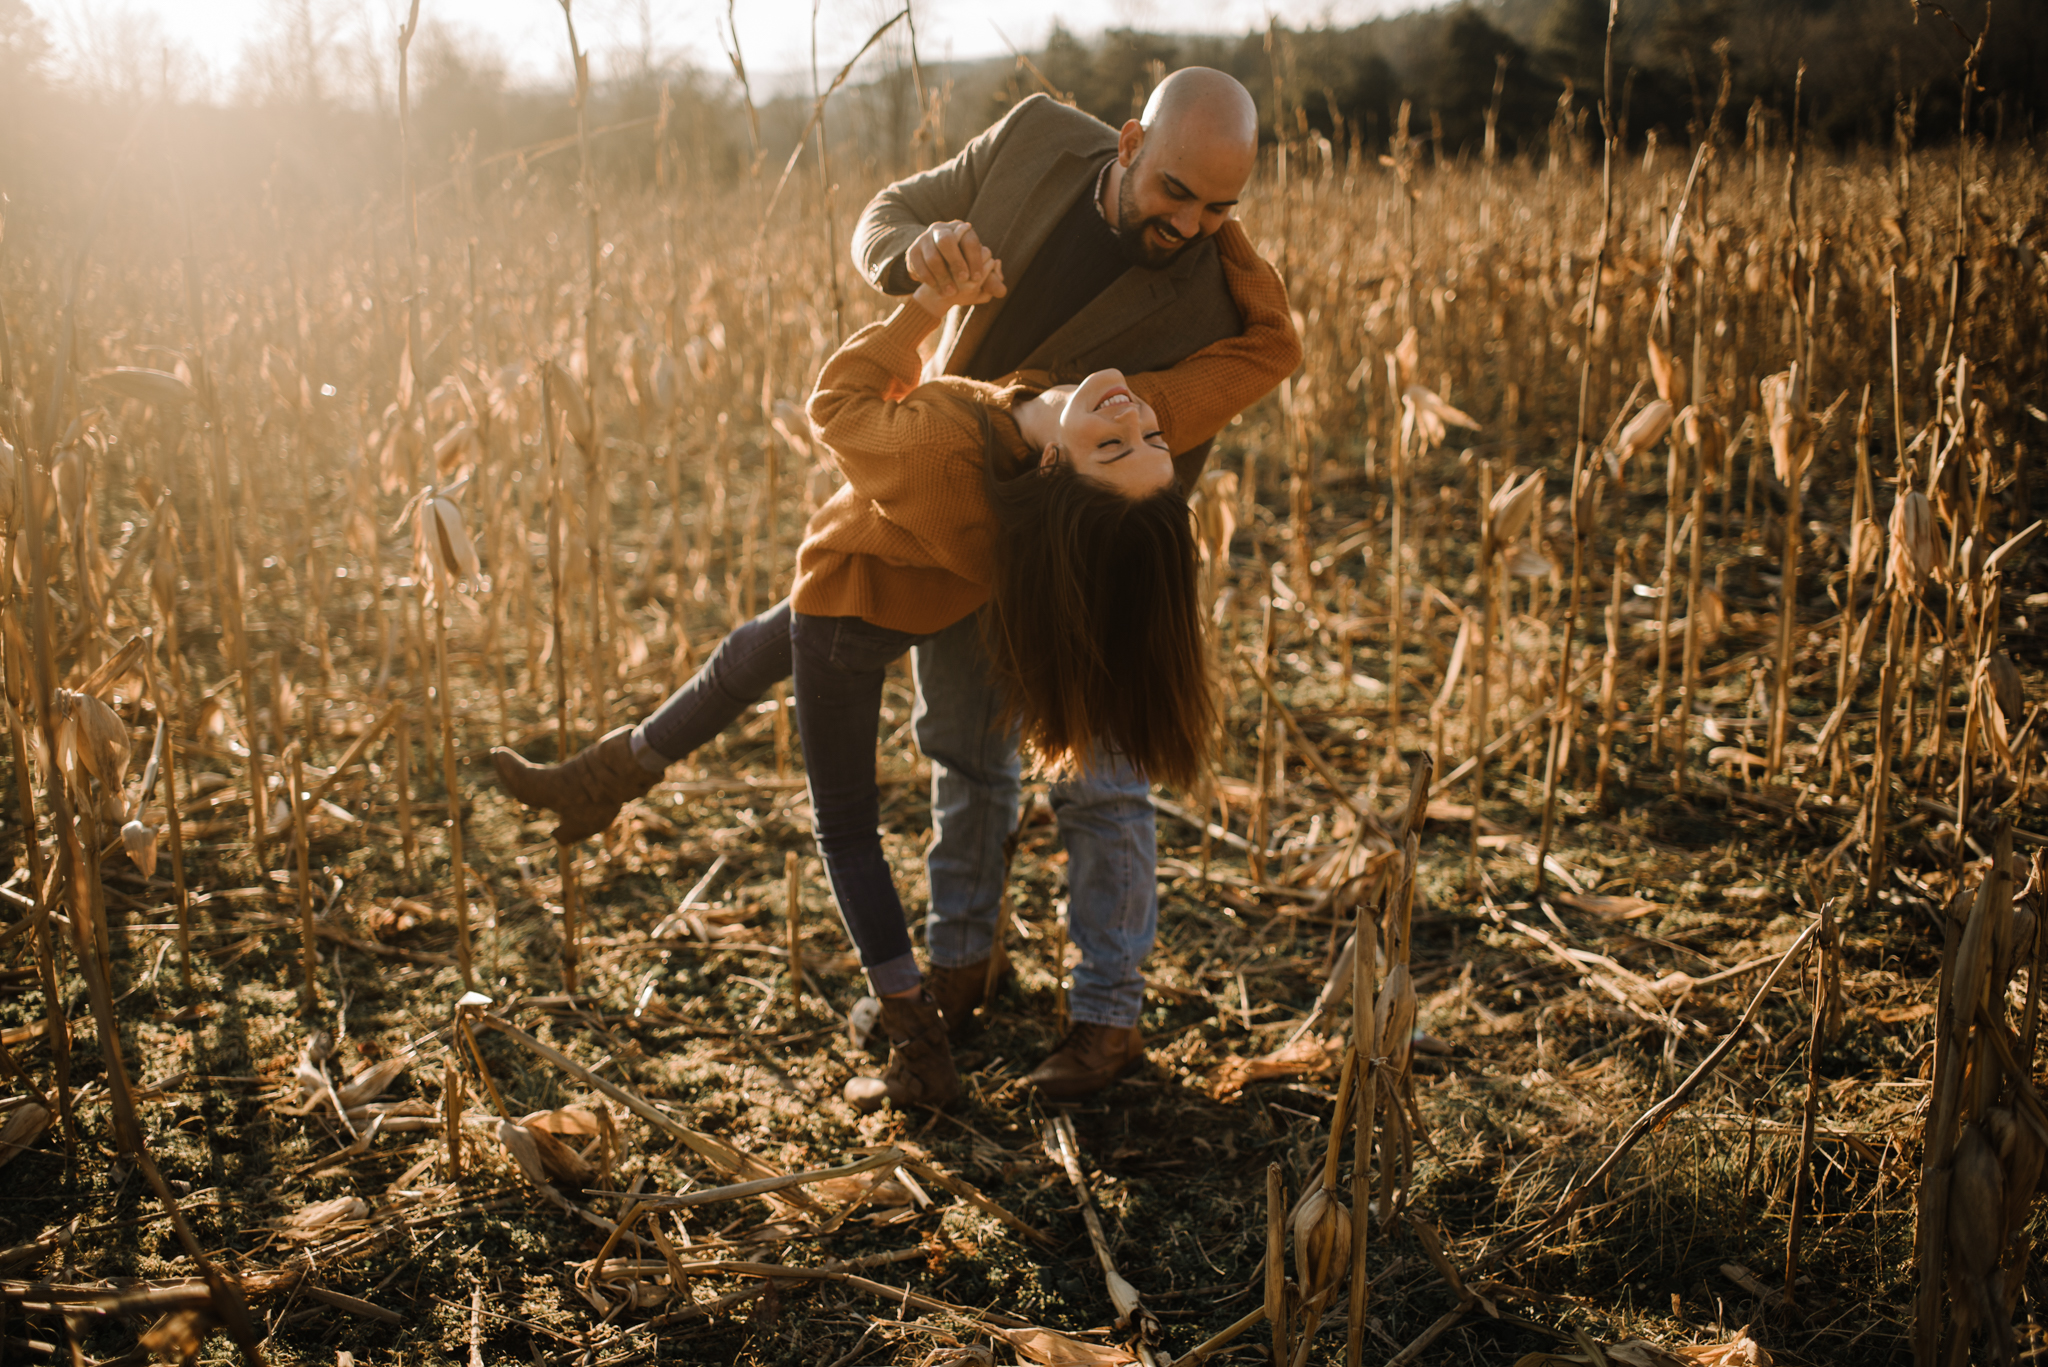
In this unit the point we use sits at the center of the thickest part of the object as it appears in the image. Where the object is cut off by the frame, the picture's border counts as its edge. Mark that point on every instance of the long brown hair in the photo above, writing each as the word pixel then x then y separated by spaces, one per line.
pixel 1095 624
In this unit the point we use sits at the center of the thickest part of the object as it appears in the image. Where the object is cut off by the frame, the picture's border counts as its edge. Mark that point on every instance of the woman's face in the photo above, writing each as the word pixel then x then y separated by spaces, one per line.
pixel 1112 436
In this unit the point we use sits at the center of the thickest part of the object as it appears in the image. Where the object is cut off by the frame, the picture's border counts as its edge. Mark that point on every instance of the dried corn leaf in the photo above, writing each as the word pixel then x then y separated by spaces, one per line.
pixel 23 1126
pixel 177 1336
pixel 1740 1351
pixel 880 1190
pixel 315 1220
pixel 372 1082
pixel 1601 904
pixel 1305 1057
pixel 1050 1349
pixel 518 1142
pixel 143 385
pixel 558 1160
pixel 1636 1353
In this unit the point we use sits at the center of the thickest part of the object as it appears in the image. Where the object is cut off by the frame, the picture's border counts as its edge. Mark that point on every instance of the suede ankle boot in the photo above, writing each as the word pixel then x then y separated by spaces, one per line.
pixel 586 790
pixel 920 1070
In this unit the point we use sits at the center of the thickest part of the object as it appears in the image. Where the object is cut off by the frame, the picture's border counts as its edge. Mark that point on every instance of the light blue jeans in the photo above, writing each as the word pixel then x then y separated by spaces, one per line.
pixel 1106 825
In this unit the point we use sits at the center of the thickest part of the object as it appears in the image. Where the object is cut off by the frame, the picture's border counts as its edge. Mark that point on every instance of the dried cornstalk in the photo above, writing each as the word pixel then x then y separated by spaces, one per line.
pixel 1608 663
pixel 295 776
pixel 1792 444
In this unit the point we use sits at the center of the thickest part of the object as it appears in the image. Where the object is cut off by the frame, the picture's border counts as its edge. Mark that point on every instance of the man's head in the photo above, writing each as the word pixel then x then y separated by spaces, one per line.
pixel 1181 167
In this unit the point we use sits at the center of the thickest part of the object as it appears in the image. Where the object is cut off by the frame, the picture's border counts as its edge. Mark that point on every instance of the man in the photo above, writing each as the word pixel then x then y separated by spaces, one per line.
pixel 1104 234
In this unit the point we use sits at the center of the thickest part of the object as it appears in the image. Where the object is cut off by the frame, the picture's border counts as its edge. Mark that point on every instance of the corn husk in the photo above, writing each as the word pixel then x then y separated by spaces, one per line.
pixel 23 1126
pixel 1667 372
pixel 453 448
pixel 2006 689
pixel 1322 1240
pixel 92 736
pixel 158 387
pixel 1914 547
pixel 2020 1154
pixel 518 1142
pixel 567 395
pixel 1644 430
pixel 1791 433
pixel 447 539
pixel 1513 506
pixel 8 476
pixel 1406 356
pixel 1707 435
pixel 1394 1017
pixel 551 1132
pixel 1422 410
pixel 139 841
pixel 1526 562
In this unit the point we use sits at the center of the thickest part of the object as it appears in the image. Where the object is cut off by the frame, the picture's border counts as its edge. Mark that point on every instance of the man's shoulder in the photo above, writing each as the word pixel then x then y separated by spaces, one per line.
pixel 1053 127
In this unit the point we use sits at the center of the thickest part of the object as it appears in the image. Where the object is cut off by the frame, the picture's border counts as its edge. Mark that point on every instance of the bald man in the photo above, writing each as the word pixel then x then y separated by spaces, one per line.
pixel 1103 235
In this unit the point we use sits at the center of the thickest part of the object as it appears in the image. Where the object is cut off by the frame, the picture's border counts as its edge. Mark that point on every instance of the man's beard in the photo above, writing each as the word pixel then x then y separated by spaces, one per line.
pixel 1130 232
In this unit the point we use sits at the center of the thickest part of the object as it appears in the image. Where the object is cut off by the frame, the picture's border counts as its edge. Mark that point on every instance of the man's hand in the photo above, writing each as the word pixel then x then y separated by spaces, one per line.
pixel 972 276
pixel 946 256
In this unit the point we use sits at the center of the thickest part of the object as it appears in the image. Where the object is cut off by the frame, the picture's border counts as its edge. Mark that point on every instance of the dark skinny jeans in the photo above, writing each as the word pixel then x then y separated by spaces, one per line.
pixel 839 664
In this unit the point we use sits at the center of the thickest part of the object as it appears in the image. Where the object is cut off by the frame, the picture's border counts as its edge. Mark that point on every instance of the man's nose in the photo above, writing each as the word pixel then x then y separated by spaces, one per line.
pixel 1188 222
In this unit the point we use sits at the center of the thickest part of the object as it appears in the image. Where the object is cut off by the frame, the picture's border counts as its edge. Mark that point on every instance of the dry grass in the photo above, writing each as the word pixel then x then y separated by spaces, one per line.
pixel 251 520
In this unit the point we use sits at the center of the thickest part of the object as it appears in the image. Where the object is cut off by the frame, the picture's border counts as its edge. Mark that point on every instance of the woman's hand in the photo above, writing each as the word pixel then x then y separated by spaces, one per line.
pixel 976 279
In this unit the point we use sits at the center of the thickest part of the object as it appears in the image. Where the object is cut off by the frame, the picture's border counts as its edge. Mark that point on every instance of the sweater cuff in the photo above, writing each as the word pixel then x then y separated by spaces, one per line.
pixel 896 343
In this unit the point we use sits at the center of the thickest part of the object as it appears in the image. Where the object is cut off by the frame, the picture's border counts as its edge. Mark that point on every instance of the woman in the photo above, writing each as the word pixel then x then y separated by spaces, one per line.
pixel 1055 506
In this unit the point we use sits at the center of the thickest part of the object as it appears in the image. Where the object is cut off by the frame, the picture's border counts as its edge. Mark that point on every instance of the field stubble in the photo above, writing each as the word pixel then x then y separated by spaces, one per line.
pixel 633 469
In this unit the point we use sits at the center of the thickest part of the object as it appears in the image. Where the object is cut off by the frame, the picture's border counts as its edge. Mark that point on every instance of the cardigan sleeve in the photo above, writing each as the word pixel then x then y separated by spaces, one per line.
pixel 913 452
pixel 1197 396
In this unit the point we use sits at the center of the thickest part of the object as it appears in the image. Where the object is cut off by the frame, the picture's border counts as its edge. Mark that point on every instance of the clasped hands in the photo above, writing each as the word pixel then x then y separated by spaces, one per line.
pixel 952 268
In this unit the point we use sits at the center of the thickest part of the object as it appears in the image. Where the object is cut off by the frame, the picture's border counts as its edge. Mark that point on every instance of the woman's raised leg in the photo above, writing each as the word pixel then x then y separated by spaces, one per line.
pixel 588 789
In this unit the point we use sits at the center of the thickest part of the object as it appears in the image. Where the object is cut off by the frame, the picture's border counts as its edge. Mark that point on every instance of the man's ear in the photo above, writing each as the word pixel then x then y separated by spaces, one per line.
pixel 1128 140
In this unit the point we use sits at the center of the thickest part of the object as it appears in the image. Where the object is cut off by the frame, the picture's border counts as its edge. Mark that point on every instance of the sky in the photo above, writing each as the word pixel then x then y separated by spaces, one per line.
pixel 774 35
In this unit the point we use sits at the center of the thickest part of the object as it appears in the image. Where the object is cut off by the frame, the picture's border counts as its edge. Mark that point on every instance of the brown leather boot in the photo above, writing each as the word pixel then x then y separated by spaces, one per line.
pixel 586 790
pixel 960 992
pixel 920 1071
pixel 1088 1059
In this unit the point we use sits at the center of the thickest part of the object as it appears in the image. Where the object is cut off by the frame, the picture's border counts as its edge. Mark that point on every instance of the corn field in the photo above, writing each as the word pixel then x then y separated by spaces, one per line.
pixel 1632 707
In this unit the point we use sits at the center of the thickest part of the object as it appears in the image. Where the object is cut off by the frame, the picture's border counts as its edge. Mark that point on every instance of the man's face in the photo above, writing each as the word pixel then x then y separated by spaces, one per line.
pixel 1174 196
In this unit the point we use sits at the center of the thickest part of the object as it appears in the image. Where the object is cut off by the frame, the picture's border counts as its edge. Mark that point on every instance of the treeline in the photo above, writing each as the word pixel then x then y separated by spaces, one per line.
pixel 1859 71
pixel 310 123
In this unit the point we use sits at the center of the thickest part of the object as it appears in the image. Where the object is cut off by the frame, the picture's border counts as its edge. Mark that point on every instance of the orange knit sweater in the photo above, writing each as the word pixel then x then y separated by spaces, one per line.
pixel 908 541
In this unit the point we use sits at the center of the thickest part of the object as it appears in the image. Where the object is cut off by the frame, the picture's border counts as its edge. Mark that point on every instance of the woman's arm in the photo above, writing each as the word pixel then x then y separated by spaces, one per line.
pixel 1195 398
pixel 866 406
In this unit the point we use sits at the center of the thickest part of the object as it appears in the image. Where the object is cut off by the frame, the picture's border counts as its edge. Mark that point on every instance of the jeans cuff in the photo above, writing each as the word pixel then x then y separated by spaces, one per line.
pixel 896 975
pixel 1089 1016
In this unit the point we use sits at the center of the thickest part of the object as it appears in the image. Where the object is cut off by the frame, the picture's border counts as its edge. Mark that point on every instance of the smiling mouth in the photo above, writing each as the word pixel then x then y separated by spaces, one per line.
pixel 1119 397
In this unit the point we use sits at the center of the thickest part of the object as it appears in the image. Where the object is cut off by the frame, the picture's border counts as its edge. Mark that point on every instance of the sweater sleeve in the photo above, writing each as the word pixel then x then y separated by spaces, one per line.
pixel 1197 396
pixel 912 451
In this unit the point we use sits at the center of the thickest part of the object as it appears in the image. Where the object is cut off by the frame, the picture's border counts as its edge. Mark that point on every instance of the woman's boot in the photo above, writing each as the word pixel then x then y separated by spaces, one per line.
pixel 920 1071
pixel 586 790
